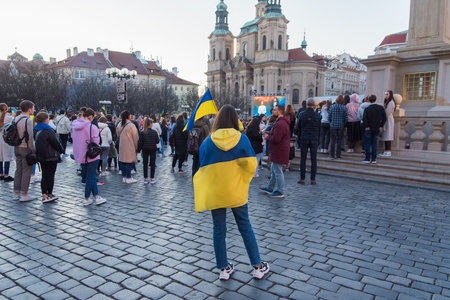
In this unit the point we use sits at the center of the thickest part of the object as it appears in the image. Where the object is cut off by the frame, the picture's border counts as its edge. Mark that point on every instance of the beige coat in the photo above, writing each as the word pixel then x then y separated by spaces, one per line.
pixel 388 131
pixel 128 143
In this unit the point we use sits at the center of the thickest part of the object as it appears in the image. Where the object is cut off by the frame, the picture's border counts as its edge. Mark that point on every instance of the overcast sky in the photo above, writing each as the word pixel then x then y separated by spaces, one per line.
pixel 177 30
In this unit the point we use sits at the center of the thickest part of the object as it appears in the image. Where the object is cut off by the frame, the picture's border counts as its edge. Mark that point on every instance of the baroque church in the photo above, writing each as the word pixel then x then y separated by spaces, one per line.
pixel 258 60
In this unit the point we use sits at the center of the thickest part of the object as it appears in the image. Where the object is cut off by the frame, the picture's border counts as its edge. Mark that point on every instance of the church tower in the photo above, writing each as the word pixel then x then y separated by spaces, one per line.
pixel 260 8
pixel 221 50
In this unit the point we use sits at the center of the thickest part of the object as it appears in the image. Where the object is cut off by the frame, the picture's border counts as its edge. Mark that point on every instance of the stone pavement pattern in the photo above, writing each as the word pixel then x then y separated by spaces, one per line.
pixel 341 239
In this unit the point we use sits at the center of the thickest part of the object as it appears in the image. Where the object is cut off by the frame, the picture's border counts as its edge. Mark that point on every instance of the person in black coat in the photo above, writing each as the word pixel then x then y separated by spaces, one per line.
pixel 374 119
pixel 307 129
pixel 48 151
pixel 253 133
pixel 148 144
pixel 181 138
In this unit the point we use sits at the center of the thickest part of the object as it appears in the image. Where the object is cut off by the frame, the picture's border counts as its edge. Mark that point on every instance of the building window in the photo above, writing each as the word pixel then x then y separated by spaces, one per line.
pixel 228 54
pixel 79 74
pixel 264 42
pixel 262 89
pixel 310 93
pixel 245 49
pixel 182 88
pixel 236 90
pixel 280 42
pixel 278 88
pixel 176 88
pixel 152 82
pixel 157 81
pixel 162 82
pixel 214 54
pixel 296 96
pixel 420 86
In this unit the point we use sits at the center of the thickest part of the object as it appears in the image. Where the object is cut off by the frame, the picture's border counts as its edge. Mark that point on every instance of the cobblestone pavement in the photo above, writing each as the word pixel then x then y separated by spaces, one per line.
pixel 341 239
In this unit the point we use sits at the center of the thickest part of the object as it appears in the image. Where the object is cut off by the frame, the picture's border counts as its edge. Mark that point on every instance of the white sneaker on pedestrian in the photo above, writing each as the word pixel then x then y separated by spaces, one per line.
pixel 226 273
pixel 153 181
pixel 349 150
pixel 25 198
pixel 133 172
pixel 103 174
pixel 131 181
pixel 99 200
pixel 259 273
pixel 124 179
pixel 87 202
pixel 35 179
pixel 120 173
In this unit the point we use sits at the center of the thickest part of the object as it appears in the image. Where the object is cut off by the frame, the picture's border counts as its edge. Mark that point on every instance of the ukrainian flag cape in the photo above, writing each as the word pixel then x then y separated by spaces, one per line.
pixel 205 106
pixel 227 166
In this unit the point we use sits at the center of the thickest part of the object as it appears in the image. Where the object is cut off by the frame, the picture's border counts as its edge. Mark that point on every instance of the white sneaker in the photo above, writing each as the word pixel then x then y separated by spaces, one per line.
pixel 124 179
pixel 120 173
pixel 133 172
pixel 99 200
pixel 103 174
pixel 87 202
pixel 259 273
pixel 130 181
pixel 349 151
pixel 153 181
pixel 35 179
pixel 25 198
pixel 226 273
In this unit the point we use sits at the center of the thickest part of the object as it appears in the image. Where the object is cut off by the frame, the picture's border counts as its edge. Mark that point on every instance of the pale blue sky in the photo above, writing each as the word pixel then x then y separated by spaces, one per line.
pixel 178 30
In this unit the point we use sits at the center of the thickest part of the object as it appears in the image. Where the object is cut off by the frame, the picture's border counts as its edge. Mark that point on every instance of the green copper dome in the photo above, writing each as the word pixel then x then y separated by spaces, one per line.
pixel 37 56
pixel 222 6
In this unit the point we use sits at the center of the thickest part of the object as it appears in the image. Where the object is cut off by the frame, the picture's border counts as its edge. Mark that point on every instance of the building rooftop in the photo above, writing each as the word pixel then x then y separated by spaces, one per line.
pixel 299 55
pixel 395 38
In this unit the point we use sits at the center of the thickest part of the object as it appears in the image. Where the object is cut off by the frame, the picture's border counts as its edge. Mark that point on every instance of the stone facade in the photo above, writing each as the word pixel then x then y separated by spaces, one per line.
pixel 263 63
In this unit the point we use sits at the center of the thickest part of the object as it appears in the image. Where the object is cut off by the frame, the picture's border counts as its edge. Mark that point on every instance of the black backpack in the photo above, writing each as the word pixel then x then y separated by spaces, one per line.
pixel 11 134
pixel 193 142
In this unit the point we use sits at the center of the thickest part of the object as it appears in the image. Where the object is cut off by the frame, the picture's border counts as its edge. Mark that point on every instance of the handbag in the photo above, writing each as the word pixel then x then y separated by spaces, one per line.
pixel 31 158
pixel 93 149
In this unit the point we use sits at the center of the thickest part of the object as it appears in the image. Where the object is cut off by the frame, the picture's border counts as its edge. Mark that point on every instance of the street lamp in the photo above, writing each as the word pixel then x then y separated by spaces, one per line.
pixel 120 74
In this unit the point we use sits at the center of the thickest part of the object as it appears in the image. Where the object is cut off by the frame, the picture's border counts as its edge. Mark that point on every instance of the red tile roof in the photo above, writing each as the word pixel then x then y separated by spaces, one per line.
pixel 299 55
pixel 396 38
pixel 122 60
pixel 172 79
pixel 82 60
pixel 153 68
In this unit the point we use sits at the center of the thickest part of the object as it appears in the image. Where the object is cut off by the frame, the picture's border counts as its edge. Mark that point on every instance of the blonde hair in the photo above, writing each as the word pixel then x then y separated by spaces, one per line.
pixel 3 111
pixel 147 124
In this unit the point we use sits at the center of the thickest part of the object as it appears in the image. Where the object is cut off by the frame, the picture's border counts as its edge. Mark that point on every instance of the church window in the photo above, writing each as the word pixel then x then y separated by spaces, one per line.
pixel 245 49
pixel 214 54
pixel 220 55
pixel 228 54
pixel 278 88
pixel 279 72
pixel 236 90
pixel 264 42
pixel 262 89
pixel 420 86
pixel 310 93
pixel 262 72
pixel 296 96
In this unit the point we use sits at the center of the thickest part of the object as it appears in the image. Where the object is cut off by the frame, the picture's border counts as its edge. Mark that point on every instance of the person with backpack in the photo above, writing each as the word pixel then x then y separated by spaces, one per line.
pixel 129 137
pixel 6 151
pixel 22 130
pixel 84 132
pixel 63 128
pixel 105 142
pixel 227 166
pixel 180 138
pixel 196 137
pixel 48 151
pixel 148 141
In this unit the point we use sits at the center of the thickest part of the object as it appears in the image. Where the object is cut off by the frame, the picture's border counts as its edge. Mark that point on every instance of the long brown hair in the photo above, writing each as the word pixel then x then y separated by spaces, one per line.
pixel 3 111
pixel 290 112
pixel 147 124
pixel 226 118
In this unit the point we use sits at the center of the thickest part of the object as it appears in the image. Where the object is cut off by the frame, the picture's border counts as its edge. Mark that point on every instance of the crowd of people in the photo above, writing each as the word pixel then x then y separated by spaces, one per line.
pixel 226 152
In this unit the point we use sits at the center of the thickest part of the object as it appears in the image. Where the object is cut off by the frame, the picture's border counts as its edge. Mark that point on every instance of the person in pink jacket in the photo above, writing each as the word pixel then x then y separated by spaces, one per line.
pixel 353 123
pixel 83 132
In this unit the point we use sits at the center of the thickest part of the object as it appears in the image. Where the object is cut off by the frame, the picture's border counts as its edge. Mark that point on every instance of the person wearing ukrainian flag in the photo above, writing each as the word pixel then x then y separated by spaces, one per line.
pixel 227 166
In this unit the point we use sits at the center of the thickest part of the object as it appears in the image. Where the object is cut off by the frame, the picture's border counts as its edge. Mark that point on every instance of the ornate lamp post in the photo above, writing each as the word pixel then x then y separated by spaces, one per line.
pixel 121 85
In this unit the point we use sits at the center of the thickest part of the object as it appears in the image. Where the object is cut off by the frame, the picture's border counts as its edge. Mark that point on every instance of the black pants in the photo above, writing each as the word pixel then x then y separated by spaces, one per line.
pixel 387 145
pixel 64 138
pixel 110 160
pixel 48 177
pixel 312 146
pixel 180 158
pixel 336 138
pixel 195 164
pixel 145 156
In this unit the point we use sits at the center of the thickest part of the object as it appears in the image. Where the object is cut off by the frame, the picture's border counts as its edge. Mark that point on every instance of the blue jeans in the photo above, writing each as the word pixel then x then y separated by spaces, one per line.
pixel 4 171
pixel 126 169
pixel 104 158
pixel 161 142
pixel 259 157
pixel 219 217
pixel 90 169
pixel 371 139
pixel 276 182
pixel 33 170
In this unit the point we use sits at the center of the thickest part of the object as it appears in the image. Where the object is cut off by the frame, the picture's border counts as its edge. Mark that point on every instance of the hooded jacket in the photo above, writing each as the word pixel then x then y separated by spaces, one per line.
pixel 227 166
pixel 48 148
pixel 63 125
pixel 105 134
pixel 82 133
pixel 279 141
pixel 352 109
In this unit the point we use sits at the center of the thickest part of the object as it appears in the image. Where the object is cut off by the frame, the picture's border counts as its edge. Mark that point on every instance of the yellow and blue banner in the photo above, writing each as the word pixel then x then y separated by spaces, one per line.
pixel 227 166
pixel 205 106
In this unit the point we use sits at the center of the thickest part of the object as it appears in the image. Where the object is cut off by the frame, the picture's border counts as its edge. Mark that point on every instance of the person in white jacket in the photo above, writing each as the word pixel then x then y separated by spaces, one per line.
pixel 106 141
pixel 63 128
pixel 388 130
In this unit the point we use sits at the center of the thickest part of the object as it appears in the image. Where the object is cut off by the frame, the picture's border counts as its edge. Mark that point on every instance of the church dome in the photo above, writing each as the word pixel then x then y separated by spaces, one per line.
pixel 222 6
pixel 37 56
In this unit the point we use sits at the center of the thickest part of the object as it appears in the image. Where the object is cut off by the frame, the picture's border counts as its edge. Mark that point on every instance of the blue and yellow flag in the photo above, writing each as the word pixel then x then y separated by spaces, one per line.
pixel 104 109
pixel 205 106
